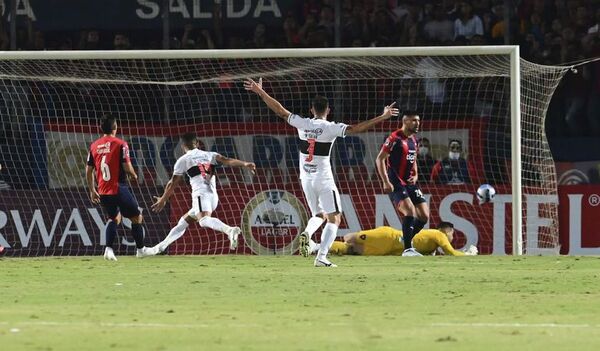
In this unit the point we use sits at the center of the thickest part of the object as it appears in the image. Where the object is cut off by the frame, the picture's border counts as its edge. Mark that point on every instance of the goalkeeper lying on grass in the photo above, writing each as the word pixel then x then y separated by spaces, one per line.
pixel 383 241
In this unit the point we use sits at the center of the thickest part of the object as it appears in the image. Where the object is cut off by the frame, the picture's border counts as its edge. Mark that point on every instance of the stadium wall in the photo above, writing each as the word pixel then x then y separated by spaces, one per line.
pixel 59 219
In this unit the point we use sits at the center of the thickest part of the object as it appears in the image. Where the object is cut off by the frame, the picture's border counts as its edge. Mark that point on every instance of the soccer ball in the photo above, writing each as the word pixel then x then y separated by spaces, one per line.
pixel 485 193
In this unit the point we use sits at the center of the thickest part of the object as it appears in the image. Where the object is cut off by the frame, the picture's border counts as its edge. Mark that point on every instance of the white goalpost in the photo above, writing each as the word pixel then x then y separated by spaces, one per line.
pixel 487 98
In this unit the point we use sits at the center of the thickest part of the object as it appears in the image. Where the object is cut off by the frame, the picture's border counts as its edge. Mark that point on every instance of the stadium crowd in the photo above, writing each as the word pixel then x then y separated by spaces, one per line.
pixel 548 31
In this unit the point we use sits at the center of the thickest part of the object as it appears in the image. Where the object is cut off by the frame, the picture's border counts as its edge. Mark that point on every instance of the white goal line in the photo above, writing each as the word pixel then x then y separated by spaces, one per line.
pixel 515 325
pixel 128 325
pixel 245 325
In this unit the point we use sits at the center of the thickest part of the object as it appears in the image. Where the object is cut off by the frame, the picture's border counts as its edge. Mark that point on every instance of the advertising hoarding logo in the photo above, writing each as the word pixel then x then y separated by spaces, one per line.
pixel 271 222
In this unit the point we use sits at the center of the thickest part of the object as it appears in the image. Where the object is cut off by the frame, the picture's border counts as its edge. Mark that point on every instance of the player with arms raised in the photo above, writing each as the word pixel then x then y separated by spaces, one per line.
pixel 397 168
pixel 317 136
pixel 109 156
pixel 199 166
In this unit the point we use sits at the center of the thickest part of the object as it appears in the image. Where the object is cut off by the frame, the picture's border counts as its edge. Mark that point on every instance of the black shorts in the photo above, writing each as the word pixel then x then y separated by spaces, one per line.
pixel 123 202
pixel 401 192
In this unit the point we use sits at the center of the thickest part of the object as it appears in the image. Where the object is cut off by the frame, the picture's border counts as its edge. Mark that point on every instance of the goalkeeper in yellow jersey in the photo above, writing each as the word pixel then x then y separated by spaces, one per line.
pixel 383 241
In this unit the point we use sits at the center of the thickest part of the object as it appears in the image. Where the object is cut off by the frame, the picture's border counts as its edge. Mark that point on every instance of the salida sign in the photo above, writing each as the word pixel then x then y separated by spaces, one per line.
pixel 145 14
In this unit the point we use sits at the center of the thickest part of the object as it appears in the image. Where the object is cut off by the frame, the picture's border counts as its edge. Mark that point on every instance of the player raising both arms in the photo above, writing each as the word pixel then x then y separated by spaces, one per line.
pixel 383 241
pixel 109 156
pixel 198 165
pixel 397 168
pixel 317 136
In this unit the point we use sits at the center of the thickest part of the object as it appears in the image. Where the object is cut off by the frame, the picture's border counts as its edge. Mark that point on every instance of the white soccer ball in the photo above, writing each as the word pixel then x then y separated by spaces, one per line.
pixel 485 193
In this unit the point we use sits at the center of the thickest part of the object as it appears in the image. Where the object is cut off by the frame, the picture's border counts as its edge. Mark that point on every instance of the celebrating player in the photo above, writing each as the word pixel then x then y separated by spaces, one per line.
pixel 317 136
pixel 198 165
pixel 109 156
pixel 383 241
pixel 397 168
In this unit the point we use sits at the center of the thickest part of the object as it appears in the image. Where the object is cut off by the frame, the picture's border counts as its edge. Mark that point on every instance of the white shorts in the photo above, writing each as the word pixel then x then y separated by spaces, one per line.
pixel 203 202
pixel 322 196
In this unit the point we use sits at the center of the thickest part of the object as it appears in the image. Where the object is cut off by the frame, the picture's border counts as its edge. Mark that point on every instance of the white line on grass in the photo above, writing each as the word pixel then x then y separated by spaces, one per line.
pixel 128 325
pixel 515 325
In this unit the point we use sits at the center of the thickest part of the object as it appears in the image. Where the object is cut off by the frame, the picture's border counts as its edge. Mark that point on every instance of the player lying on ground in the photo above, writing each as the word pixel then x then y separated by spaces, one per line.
pixel 383 241
pixel 109 156
pixel 198 165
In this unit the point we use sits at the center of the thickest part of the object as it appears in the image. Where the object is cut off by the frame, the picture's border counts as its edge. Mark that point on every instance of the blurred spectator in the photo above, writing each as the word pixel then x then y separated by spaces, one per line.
pixel 382 29
pixel 434 87
pixel 3 184
pixel 259 39
pixel 4 38
pixel 326 19
pixel 425 161
pixel 310 24
pixel 468 24
pixel 292 32
pixel 498 27
pixel 121 42
pixel 453 169
pixel 193 40
pixel 355 28
pixel 593 110
pixel 89 40
pixel 439 29
pixel 36 39
pixel 596 27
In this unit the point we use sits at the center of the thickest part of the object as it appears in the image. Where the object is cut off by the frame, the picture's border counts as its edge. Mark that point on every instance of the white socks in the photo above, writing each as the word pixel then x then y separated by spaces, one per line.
pixel 327 238
pixel 175 233
pixel 214 223
pixel 313 224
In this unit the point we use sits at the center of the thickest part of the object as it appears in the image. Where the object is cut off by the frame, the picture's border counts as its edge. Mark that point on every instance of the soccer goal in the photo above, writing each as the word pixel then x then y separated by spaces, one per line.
pixel 485 99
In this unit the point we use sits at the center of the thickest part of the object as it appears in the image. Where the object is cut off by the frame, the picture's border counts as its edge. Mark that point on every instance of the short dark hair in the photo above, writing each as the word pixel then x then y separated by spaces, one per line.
pixel 458 141
pixel 320 104
pixel 443 225
pixel 189 140
pixel 411 113
pixel 108 123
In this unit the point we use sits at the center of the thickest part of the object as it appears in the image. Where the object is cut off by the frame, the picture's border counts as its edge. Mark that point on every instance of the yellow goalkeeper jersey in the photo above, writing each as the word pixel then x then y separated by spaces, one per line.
pixel 388 241
pixel 381 241
pixel 428 240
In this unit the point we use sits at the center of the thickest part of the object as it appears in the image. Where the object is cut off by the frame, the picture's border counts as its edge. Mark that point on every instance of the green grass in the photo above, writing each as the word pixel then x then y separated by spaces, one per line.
pixel 283 303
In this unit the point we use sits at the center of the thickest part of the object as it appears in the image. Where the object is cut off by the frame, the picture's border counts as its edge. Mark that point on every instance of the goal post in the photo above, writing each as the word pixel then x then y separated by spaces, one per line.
pixel 475 94
pixel 515 117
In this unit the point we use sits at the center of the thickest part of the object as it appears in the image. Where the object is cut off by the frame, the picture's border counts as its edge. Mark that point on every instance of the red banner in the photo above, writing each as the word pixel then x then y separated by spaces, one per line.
pixel 272 215
pixel 579 219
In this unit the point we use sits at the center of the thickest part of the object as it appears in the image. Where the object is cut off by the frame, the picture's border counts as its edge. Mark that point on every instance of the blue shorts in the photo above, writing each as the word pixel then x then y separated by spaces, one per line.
pixel 402 192
pixel 123 202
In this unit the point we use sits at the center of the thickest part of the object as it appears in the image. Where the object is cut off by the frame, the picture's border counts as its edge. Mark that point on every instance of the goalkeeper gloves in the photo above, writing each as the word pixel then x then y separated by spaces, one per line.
pixel 471 251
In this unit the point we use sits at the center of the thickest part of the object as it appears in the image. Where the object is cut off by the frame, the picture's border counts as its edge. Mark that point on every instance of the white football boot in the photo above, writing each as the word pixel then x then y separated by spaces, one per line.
pixel 233 235
pixel 145 252
pixel 109 254
pixel 411 252
pixel 324 262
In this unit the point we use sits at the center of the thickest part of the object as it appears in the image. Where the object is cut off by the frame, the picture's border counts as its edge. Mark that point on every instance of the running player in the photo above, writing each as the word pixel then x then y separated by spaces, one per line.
pixel 199 166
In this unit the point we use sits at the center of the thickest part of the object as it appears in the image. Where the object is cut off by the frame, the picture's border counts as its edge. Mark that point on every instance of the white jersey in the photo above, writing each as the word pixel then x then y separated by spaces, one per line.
pixel 316 141
pixel 198 165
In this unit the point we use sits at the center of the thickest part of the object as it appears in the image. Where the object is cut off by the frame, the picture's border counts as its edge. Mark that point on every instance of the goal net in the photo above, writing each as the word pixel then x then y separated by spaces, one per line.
pixel 51 103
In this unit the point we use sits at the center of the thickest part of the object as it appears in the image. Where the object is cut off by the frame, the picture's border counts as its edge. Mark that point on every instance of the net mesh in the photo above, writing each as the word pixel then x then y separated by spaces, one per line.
pixel 50 111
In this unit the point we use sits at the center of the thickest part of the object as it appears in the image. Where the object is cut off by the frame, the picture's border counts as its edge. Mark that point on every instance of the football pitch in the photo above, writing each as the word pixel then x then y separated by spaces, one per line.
pixel 283 303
